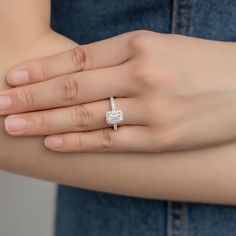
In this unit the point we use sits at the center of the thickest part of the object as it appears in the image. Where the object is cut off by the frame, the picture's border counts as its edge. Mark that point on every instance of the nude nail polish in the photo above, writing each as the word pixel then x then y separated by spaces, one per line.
pixel 18 77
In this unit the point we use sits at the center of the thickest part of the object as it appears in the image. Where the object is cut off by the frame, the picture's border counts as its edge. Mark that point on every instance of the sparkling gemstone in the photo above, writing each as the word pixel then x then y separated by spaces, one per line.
pixel 114 117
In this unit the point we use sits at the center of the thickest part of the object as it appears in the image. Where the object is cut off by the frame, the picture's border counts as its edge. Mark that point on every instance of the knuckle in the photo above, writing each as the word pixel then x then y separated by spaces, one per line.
pixel 81 117
pixel 140 39
pixel 69 90
pixel 79 58
pixel 78 142
pixel 107 138
pixel 26 98
pixel 41 120
pixel 143 76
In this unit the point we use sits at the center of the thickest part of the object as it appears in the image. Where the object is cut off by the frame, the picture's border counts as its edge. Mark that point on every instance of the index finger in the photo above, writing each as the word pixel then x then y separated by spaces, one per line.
pixel 104 53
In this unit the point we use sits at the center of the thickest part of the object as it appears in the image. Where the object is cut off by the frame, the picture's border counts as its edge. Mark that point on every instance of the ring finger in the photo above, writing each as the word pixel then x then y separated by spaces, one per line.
pixel 85 117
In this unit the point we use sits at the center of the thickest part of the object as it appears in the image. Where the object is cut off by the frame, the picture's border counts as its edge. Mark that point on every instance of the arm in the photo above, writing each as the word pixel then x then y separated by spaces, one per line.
pixel 206 176
pixel 22 22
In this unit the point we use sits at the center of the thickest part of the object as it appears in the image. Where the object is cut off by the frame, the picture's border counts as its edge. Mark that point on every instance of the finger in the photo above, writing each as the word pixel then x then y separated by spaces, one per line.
pixel 105 53
pixel 78 88
pixel 84 117
pixel 125 139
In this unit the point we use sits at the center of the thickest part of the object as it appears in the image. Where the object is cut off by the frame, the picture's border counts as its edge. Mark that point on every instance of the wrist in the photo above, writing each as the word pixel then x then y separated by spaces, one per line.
pixel 48 43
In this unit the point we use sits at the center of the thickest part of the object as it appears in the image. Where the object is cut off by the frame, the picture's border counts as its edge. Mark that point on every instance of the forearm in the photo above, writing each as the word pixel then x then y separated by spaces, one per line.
pixel 204 176
pixel 23 20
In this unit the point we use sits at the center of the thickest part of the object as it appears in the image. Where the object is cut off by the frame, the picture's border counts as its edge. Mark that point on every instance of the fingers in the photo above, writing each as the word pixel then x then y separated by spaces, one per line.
pixel 78 88
pixel 105 53
pixel 84 117
pixel 125 139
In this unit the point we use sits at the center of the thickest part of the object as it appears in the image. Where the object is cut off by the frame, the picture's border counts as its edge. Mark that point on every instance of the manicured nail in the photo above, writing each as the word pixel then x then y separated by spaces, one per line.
pixel 15 125
pixel 53 142
pixel 18 77
pixel 5 102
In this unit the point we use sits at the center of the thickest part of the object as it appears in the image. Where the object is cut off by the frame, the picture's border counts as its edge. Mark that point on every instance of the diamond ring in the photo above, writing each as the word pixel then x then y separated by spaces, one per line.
pixel 114 116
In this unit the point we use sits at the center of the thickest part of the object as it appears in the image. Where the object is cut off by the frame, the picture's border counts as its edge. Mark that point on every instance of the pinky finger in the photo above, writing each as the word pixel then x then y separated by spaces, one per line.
pixel 125 139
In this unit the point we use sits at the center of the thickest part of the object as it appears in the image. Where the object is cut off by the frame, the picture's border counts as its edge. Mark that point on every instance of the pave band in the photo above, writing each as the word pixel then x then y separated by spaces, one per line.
pixel 114 116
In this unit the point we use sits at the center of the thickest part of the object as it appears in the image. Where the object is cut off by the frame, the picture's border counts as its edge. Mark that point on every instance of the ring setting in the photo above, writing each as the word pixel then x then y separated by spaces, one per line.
pixel 114 116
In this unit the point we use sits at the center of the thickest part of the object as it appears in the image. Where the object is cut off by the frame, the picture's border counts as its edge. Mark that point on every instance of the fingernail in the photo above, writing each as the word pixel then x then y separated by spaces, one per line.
pixel 53 142
pixel 18 77
pixel 15 125
pixel 5 102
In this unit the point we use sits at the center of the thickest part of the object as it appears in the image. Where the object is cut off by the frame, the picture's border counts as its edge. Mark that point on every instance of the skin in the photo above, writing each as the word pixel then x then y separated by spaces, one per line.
pixel 172 90
pixel 206 175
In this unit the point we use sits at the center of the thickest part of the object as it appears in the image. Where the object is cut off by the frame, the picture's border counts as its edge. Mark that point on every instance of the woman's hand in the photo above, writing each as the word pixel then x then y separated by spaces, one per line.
pixel 175 92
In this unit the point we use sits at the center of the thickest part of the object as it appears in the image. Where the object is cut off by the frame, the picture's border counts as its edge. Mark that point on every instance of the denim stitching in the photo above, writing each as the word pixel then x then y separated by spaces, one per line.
pixel 174 16
pixel 169 218
pixel 186 16
pixel 176 218
pixel 181 16
pixel 178 207
pixel 182 219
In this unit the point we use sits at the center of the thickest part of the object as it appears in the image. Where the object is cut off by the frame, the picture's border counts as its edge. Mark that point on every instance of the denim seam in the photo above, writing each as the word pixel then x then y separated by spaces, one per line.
pixel 169 218
pixel 174 16
pixel 176 215
pixel 181 16
pixel 186 16
pixel 182 219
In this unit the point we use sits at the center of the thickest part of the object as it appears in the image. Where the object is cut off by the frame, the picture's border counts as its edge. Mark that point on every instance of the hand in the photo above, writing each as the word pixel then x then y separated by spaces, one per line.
pixel 176 93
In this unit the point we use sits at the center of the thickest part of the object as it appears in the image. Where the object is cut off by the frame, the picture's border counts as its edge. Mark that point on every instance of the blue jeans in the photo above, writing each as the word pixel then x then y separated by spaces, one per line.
pixel 89 213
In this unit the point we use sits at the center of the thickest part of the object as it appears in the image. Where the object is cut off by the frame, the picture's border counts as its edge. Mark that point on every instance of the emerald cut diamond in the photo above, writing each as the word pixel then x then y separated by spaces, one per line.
pixel 114 117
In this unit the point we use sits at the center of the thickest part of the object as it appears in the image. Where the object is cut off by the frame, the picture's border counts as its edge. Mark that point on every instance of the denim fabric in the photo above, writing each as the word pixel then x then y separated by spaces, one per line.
pixel 86 21
pixel 89 213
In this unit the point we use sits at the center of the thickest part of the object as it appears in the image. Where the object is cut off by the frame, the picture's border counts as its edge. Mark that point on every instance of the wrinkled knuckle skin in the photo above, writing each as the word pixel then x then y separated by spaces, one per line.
pixel 79 58
pixel 70 90
pixel 78 143
pixel 42 121
pixel 81 118
pixel 107 138
pixel 26 99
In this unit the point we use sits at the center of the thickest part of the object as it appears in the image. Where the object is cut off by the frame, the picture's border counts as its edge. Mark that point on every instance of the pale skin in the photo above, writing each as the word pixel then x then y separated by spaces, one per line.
pixel 171 89
pixel 205 175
